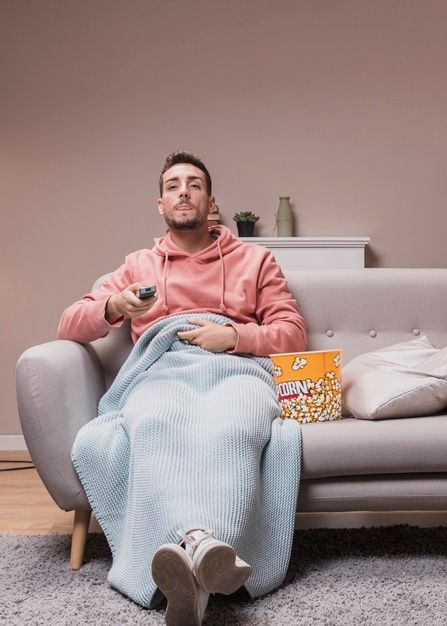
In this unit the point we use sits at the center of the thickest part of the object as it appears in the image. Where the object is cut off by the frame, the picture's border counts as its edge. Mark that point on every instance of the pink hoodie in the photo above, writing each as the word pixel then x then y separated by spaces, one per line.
pixel 241 281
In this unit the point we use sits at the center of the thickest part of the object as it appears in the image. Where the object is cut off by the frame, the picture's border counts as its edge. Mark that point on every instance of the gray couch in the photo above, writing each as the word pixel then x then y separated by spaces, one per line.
pixel 354 472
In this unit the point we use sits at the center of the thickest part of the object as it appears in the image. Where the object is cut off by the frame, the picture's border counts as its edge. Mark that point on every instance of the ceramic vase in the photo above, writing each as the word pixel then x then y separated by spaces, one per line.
pixel 284 218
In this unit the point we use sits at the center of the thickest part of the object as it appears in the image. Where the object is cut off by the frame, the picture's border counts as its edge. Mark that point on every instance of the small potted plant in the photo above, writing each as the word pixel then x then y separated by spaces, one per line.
pixel 245 221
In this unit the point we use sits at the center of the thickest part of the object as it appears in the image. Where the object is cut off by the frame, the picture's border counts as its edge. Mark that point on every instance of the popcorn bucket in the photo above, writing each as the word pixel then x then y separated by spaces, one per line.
pixel 308 385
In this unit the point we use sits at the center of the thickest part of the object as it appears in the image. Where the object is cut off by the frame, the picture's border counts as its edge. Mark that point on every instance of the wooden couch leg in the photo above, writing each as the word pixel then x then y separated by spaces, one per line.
pixel 79 537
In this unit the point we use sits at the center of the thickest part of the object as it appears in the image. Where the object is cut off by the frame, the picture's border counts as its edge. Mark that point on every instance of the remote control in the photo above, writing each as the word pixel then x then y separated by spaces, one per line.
pixel 147 292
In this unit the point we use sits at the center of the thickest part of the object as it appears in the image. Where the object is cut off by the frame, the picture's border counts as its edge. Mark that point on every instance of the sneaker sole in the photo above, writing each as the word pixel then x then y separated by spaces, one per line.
pixel 172 574
pixel 216 570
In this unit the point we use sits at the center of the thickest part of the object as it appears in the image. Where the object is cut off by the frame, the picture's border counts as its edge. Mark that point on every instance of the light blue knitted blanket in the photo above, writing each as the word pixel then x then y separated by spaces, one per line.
pixel 187 438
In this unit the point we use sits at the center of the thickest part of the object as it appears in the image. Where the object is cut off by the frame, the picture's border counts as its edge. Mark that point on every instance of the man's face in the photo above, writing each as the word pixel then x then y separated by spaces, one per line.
pixel 185 203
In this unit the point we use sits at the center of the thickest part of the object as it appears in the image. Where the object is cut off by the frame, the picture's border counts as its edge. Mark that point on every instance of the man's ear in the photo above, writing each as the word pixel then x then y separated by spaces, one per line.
pixel 160 206
pixel 211 204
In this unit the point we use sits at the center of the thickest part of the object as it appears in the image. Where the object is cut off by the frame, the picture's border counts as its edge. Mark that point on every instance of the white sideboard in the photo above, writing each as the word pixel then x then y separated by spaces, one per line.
pixel 315 252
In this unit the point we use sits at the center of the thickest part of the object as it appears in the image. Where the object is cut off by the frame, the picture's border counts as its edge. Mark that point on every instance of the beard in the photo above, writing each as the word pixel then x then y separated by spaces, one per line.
pixel 197 221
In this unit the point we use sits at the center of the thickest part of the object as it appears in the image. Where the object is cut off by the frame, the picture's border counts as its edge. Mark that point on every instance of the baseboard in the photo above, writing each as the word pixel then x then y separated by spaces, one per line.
pixel 12 442
pixel 360 519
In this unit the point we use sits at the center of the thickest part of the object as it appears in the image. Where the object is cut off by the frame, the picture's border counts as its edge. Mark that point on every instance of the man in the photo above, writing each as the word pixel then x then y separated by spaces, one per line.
pixel 236 302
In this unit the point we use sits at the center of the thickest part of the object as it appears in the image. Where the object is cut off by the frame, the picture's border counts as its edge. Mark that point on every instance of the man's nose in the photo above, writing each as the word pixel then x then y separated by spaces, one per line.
pixel 184 191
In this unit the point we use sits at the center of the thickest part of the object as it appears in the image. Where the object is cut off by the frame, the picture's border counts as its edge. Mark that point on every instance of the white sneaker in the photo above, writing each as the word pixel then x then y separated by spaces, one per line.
pixel 172 573
pixel 215 564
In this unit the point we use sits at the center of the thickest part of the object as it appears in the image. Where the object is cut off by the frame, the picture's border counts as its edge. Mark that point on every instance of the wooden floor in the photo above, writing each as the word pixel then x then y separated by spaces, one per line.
pixel 26 508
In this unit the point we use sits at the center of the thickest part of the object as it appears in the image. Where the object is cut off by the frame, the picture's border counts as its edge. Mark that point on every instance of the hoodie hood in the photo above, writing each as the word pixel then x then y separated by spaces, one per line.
pixel 224 243
pixel 223 238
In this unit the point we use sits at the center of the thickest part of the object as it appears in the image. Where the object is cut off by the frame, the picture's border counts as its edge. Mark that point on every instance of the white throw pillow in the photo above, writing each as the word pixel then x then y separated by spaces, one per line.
pixel 403 380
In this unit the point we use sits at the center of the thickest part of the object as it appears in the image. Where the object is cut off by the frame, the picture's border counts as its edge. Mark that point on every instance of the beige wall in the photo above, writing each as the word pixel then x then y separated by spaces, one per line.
pixel 340 104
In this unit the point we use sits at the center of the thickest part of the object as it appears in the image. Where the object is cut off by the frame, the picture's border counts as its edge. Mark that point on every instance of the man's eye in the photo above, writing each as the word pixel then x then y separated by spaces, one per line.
pixel 195 185
pixel 171 187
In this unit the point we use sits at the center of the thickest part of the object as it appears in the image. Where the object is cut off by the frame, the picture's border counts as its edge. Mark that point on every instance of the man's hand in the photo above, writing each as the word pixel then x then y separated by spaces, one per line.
pixel 210 336
pixel 127 304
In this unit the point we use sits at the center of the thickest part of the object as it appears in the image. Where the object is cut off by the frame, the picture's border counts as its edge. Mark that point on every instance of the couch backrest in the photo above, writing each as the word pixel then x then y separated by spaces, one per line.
pixel 356 310
pixel 366 309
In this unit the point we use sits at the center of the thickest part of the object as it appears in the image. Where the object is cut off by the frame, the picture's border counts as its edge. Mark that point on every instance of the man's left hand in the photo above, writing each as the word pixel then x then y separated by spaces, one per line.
pixel 209 336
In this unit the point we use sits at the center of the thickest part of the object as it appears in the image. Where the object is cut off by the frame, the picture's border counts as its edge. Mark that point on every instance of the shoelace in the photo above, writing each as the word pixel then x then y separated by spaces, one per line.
pixel 195 543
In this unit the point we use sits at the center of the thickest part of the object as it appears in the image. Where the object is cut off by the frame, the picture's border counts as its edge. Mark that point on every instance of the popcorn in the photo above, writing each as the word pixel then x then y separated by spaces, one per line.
pixel 309 385
pixel 299 363
pixel 277 371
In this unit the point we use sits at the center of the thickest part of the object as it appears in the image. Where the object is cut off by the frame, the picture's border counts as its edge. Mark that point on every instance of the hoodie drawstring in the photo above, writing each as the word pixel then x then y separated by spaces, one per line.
pixel 222 274
pixel 165 280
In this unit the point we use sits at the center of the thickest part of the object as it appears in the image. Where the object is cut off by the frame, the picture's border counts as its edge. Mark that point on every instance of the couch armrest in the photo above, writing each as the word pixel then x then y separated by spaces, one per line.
pixel 59 384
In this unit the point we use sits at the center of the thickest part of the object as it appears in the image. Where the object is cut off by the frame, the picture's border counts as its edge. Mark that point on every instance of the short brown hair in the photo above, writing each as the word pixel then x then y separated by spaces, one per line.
pixel 182 156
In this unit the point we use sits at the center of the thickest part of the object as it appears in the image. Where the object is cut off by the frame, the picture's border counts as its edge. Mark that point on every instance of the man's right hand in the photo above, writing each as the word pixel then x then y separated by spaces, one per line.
pixel 127 304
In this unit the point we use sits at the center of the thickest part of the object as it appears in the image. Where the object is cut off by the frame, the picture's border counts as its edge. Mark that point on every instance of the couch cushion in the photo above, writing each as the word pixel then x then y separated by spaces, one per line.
pixel 351 447
pixel 401 380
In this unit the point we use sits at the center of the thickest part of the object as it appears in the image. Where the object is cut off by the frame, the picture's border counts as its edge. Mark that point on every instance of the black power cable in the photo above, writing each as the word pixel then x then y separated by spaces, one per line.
pixel 16 469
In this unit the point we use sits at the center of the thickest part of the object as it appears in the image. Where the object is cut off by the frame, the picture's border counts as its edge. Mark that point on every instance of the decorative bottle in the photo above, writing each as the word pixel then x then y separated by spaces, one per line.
pixel 284 218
